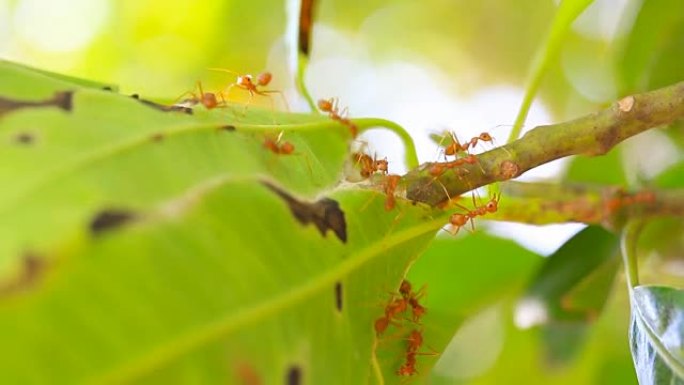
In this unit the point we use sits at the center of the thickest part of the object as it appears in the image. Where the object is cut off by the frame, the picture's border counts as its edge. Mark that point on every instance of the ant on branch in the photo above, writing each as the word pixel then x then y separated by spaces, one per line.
pixel 458 220
pixel 455 146
pixel 248 83
pixel 331 106
pixel 275 147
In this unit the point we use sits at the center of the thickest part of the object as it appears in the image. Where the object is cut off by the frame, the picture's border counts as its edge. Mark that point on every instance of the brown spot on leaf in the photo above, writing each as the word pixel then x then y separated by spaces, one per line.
pixel 61 100
pixel 324 213
pixel 32 268
pixel 294 376
pixel 228 127
pixel 158 137
pixel 24 138
pixel 109 219
pixel 162 107
pixel 338 296
pixel 107 88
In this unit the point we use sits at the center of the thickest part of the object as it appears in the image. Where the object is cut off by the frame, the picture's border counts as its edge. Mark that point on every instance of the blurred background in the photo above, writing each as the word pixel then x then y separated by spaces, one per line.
pixel 429 65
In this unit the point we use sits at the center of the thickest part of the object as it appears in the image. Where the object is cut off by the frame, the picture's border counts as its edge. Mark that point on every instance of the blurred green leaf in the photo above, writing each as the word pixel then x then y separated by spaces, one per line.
pixel 654 48
pixel 570 290
pixel 657 334
pixel 672 177
pixel 606 169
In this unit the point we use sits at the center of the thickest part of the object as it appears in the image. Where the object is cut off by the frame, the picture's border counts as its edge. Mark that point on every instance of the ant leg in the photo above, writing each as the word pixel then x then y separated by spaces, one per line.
pixel 249 101
pixel 282 95
pixel 193 99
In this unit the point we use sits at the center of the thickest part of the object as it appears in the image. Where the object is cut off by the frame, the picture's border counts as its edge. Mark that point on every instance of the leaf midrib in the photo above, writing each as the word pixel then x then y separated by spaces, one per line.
pixel 198 337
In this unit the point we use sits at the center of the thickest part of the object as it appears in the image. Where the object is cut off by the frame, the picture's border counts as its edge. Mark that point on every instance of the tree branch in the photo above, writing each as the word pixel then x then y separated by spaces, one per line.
pixel 593 134
pixel 609 206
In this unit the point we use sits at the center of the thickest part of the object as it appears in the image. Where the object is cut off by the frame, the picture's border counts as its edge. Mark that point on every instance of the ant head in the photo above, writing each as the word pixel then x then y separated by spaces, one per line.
pixel 245 80
pixel 382 164
pixel 325 105
pixel 485 137
pixel 405 287
pixel 493 204
pixel 264 78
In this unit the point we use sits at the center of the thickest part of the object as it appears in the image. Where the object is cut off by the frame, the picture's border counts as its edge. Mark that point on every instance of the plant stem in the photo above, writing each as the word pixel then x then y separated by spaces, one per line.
pixel 628 244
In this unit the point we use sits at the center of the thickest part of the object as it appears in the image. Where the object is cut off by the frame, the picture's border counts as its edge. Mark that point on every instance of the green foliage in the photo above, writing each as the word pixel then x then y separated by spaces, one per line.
pixel 656 334
pixel 147 246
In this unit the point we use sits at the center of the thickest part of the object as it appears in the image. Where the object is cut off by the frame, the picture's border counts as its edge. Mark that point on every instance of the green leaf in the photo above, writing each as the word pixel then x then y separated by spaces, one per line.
pixel 571 289
pixel 568 11
pixel 458 284
pixel 657 334
pixel 141 245
pixel 656 38
pixel 606 169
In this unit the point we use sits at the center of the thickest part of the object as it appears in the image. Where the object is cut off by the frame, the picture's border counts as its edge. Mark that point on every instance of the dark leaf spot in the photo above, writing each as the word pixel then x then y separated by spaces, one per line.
pixel 109 219
pixel 157 137
pixel 162 107
pixel 24 138
pixel 325 213
pixel 228 127
pixel 107 88
pixel 61 100
pixel 294 376
pixel 33 267
pixel 338 295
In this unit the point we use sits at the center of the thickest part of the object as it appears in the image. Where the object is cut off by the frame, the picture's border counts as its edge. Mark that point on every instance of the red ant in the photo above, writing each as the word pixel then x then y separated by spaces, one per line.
pixel 415 341
pixel 369 165
pixel 458 220
pixel 332 108
pixel 406 292
pixel 207 99
pixel 456 147
pixel 390 185
pixel 273 145
pixel 392 310
pixel 438 169
pixel 247 82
